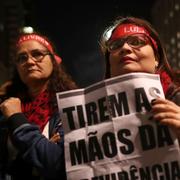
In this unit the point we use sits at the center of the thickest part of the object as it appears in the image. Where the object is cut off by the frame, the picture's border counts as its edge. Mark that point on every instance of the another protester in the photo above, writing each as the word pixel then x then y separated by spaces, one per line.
pixel 131 44
pixel 32 125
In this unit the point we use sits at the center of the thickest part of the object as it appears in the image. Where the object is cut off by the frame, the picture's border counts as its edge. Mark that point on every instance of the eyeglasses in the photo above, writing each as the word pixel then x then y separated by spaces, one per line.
pixel 35 55
pixel 135 41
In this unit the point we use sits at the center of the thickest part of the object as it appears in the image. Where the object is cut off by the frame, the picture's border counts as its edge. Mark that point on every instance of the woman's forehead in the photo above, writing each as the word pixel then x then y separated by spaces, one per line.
pixel 30 44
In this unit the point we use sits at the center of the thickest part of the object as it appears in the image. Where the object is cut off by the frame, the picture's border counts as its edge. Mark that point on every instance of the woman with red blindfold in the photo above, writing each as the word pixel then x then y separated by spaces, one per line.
pixel 132 45
pixel 35 145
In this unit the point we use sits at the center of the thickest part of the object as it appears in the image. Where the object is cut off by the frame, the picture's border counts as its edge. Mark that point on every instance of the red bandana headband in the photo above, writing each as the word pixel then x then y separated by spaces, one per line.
pixel 41 40
pixel 128 29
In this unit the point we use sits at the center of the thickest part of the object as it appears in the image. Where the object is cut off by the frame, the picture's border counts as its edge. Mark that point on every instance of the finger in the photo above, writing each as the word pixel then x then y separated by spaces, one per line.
pixel 55 137
pixel 175 124
pixel 165 108
pixel 162 101
pixel 166 115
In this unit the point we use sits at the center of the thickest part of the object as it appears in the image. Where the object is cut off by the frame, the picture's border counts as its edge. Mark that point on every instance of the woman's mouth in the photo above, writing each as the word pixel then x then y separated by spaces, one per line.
pixel 126 59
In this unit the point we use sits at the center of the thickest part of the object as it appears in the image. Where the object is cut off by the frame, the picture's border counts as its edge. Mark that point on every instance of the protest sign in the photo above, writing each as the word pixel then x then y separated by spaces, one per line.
pixel 109 134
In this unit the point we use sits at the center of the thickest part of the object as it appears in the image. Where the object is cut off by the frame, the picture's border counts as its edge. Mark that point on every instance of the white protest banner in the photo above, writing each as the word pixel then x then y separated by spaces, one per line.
pixel 109 134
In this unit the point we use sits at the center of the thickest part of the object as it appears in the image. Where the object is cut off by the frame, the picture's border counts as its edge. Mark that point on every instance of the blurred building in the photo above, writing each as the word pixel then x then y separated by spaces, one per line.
pixel 166 19
pixel 11 19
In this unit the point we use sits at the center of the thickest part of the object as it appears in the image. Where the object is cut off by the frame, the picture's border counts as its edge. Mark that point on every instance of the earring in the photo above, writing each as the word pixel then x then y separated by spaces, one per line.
pixel 156 63
pixel 156 66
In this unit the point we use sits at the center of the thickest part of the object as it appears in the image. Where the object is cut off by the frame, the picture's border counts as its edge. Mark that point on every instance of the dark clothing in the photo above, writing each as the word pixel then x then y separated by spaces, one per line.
pixel 37 156
pixel 173 94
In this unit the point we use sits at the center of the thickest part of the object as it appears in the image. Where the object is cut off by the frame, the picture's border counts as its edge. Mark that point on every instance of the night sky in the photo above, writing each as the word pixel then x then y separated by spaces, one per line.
pixel 75 27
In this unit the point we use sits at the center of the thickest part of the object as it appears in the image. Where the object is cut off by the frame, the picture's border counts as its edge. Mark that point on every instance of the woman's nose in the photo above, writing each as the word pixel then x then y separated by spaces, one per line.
pixel 30 60
pixel 125 49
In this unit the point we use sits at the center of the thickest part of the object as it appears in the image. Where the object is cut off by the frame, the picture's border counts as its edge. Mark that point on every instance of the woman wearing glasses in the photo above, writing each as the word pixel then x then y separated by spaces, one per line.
pixel 132 45
pixel 35 146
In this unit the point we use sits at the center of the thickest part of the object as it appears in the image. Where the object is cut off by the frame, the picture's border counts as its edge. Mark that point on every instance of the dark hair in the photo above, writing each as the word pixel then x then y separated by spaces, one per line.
pixel 159 53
